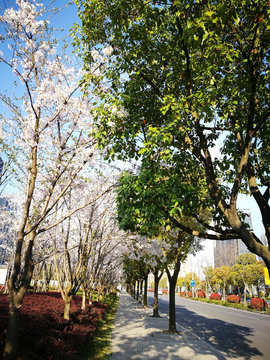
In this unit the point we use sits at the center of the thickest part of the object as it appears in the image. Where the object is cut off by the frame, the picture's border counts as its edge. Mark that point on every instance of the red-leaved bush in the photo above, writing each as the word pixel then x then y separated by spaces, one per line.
pixel 150 290
pixel 189 294
pixel 201 294
pixel 215 296
pixel 166 292
pixel 182 293
pixel 233 299
pixel 43 332
pixel 258 304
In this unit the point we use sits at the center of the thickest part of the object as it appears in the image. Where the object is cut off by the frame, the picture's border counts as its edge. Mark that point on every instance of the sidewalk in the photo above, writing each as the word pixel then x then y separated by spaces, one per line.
pixel 136 335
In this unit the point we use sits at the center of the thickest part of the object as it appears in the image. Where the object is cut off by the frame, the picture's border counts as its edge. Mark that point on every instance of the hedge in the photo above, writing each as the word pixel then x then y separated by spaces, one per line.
pixel 215 296
pixel 233 299
pixel 258 304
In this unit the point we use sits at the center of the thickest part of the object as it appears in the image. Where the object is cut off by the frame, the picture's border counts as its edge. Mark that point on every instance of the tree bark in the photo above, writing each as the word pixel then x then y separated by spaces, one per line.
pixel 13 326
pixel 91 296
pixel 145 292
pixel 173 281
pixel 134 289
pixel 68 301
pixel 17 292
pixel 157 279
pixel 138 290
pixel 155 306
pixel 83 299
pixel 141 287
pixel 172 324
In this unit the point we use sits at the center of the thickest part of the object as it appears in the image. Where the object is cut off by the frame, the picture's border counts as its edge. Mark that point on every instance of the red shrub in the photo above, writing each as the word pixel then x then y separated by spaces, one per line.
pixel 189 294
pixel 150 290
pixel 166 292
pixel 182 293
pixel 258 304
pixel 233 299
pixel 43 333
pixel 201 294
pixel 215 296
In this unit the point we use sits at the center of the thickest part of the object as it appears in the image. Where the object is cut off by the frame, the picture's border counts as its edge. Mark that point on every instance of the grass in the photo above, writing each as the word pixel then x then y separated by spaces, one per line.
pixel 99 346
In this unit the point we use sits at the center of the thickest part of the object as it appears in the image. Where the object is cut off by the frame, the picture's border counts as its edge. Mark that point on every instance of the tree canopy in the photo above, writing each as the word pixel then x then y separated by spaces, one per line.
pixel 187 75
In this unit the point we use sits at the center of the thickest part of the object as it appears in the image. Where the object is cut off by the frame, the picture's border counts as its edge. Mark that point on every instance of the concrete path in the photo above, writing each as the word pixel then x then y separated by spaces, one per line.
pixel 136 335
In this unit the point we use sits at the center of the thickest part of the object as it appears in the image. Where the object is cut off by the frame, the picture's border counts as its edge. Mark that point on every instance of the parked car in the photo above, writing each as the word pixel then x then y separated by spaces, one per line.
pixel 159 292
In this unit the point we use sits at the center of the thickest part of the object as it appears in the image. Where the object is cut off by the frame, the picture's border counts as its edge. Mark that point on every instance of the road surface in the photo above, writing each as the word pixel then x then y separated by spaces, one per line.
pixel 237 333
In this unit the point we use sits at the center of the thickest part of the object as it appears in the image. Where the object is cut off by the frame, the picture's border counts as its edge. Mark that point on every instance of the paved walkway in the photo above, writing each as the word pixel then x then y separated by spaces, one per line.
pixel 136 335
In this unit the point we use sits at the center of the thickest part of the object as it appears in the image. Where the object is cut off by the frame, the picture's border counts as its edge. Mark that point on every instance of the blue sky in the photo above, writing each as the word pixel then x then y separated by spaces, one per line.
pixel 64 19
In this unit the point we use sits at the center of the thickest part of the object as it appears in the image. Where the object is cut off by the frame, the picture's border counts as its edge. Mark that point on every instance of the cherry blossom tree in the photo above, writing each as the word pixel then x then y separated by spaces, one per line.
pixel 47 132
pixel 86 242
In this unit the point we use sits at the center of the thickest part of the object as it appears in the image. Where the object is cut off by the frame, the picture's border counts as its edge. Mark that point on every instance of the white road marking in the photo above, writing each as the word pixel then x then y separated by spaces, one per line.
pixel 250 317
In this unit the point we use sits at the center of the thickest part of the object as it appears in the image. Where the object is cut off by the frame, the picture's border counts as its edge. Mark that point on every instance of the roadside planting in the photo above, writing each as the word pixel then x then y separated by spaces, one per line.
pixel 43 332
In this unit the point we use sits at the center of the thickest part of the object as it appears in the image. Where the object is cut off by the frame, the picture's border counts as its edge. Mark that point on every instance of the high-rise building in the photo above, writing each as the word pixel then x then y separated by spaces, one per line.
pixel 5 240
pixel 227 251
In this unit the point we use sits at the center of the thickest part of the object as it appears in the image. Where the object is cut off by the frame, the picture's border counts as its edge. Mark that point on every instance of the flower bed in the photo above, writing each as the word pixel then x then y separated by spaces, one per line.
pixel 201 294
pixel 258 304
pixel 43 333
pixel 215 296
pixel 233 299
pixel 182 293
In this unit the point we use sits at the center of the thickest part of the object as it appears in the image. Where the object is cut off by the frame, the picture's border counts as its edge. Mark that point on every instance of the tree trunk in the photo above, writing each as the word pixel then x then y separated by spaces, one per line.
pixel 83 294
pixel 68 301
pixel 141 287
pixel 83 299
pixel 224 294
pixel 91 296
pixel 172 324
pixel 15 305
pixel 138 291
pixel 173 281
pixel 145 292
pixel 155 306
pixel 245 294
pixel 16 293
pixel 99 294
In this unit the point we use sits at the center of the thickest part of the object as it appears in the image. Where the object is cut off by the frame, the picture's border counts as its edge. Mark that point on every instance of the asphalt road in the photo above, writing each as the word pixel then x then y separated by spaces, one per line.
pixel 238 334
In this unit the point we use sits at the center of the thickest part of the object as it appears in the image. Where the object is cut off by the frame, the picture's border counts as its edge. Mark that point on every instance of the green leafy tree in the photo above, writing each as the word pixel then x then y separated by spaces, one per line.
pixel 187 280
pixel 135 270
pixel 180 282
pixel 244 267
pixel 163 282
pixel 141 207
pixel 208 272
pixel 181 245
pixel 223 276
pixel 195 73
